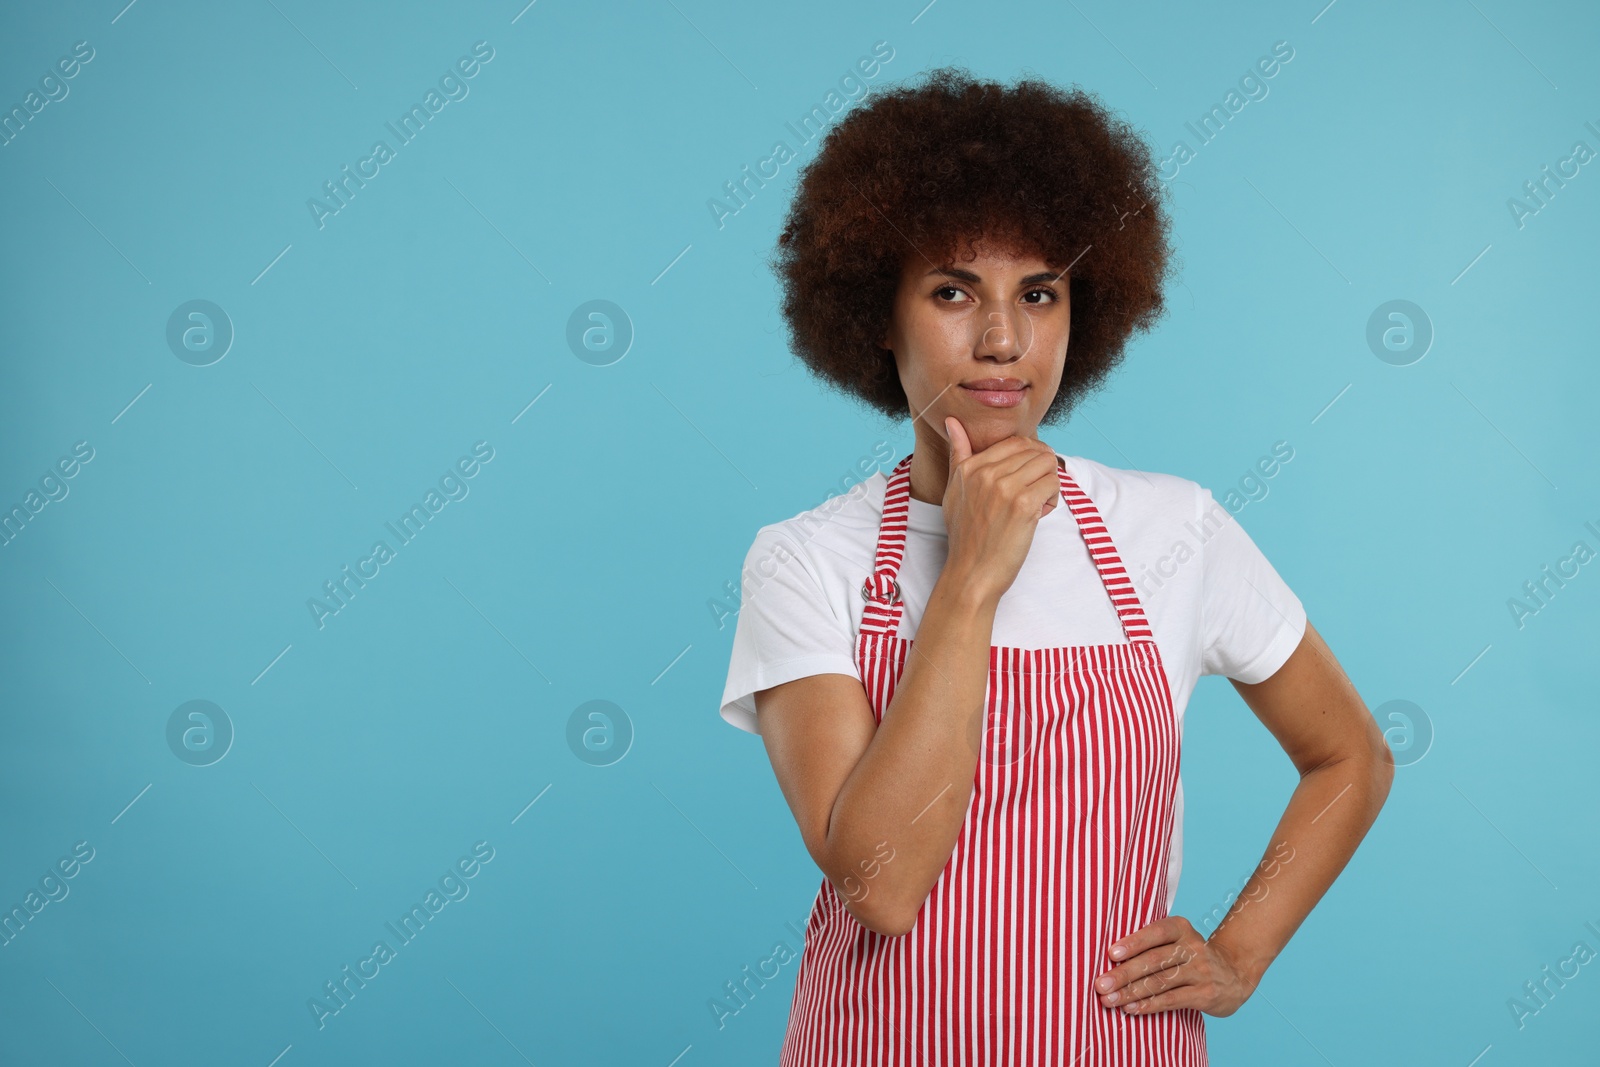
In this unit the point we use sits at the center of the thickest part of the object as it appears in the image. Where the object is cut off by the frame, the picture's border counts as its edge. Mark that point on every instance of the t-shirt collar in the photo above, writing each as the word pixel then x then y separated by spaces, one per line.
pixel 925 518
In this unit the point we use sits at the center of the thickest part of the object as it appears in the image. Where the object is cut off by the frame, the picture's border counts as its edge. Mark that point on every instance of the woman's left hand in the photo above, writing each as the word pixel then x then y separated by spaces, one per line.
pixel 1169 965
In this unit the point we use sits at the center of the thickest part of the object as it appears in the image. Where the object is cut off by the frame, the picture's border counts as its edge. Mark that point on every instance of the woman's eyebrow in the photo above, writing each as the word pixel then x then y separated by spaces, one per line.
pixel 968 276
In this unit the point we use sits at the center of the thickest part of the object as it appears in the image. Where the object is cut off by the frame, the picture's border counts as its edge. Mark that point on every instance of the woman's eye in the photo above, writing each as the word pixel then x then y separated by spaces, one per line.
pixel 939 292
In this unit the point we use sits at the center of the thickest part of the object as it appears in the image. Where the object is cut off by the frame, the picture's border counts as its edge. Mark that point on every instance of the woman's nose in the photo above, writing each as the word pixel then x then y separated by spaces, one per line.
pixel 1006 335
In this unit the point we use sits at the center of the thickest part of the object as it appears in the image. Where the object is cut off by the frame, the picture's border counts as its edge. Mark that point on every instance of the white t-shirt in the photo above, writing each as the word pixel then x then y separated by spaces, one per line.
pixel 1214 603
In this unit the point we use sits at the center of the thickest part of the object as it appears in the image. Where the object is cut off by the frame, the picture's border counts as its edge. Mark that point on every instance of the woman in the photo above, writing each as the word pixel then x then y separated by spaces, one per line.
pixel 994 801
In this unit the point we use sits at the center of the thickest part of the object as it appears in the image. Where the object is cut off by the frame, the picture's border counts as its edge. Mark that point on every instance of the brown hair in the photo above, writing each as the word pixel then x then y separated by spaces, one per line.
pixel 929 168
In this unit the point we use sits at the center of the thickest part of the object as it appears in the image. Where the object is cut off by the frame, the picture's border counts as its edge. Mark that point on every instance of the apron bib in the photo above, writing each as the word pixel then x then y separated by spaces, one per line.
pixel 1062 851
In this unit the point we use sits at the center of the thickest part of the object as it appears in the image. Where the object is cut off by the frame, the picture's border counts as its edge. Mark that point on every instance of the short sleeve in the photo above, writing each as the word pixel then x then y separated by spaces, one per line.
pixel 786 627
pixel 1252 620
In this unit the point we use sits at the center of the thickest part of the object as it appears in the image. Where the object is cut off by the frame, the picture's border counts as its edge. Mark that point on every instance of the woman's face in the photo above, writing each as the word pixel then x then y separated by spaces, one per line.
pixel 983 340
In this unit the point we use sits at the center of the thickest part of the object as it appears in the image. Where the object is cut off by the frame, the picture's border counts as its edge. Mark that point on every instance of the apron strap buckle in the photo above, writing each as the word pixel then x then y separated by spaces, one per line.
pixel 884 588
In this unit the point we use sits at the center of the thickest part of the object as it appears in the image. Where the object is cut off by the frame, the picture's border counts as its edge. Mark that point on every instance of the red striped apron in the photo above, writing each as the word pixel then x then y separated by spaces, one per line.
pixel 1062 851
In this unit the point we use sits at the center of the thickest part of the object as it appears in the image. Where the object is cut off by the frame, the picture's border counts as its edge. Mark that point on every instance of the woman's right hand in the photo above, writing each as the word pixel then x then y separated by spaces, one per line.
pixel 993 502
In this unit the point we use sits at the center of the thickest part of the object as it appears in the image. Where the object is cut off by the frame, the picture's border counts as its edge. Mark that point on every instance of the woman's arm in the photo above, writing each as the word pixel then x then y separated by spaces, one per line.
pixel 1345 768
pixel 880 806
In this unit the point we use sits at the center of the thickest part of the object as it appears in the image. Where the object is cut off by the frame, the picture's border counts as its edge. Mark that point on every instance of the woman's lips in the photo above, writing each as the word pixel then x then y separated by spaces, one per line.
pixel 996 398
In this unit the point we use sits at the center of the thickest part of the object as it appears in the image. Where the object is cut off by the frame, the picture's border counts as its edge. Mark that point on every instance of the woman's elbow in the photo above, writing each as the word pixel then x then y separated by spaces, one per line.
pixel 875 908
pixel 884 920
pixel 872 896
pixel 1378 762
pixel 1365 751
pixel 1381 758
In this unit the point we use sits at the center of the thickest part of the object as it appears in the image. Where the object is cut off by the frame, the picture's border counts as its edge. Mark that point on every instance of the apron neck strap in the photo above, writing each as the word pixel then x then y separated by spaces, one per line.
pixel 881 589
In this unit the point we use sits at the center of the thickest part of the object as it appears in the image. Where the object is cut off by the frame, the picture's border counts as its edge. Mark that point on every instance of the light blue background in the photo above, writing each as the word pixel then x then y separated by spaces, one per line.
pixel 427 314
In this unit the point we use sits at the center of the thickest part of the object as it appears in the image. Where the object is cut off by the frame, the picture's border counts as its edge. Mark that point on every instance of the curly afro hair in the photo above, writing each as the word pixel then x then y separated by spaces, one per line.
pixel 929 168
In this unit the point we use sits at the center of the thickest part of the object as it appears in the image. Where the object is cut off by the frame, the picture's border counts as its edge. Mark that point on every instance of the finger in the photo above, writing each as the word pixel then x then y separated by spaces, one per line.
pixel 1171 1000
pixel 1160 932
pixel 1188 973
pixel 1008 452
pixel 1052 481
pixel 1014 454
pixel 1048 489
pixel 1151 985
pixel 1148 962
pixel 1145 950
pixel 960 446
pixel 1034 477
